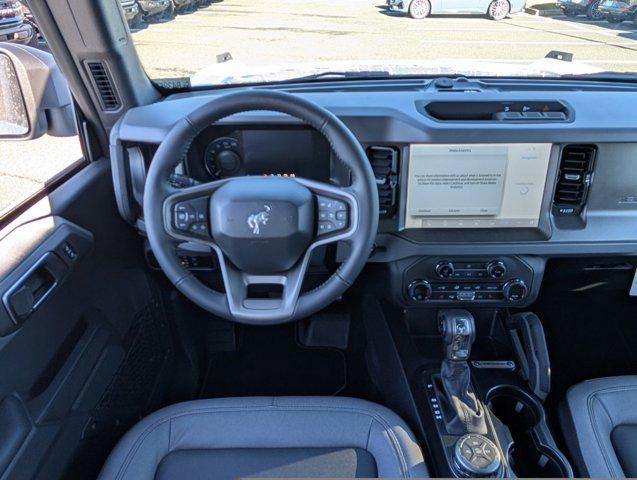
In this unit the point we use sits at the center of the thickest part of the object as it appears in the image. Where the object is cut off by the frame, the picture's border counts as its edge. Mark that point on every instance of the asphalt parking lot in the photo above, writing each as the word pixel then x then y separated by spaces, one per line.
pixel 259 33
pixel 290 31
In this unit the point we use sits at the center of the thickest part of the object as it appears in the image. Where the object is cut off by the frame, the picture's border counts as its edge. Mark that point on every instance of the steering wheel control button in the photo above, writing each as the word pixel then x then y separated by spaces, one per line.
pixel 476 456
pixel 419 290
pixel 184 215
pixel 191 216
pixel 332 215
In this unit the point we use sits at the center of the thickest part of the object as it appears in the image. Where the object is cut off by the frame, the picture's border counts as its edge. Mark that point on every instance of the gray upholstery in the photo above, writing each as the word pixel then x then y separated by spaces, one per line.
pixel 600 422
pixel 228 464
pixel 274 430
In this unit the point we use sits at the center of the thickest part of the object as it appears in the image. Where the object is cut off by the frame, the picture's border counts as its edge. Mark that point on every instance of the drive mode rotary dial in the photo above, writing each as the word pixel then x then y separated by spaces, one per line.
pixel 477 456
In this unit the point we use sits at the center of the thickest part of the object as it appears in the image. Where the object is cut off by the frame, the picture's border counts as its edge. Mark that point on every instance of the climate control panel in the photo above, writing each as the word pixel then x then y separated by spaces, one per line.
pixel 507 280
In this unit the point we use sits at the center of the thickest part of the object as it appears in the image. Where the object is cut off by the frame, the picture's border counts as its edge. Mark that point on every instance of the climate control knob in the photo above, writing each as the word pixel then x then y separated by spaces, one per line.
pixel 419 290
pixel 515 290
pixel 496 269
pixel 444 269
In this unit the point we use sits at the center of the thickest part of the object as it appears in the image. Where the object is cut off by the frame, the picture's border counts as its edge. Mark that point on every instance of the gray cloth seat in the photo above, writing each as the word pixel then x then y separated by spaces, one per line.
pixel 275 437
pixel 599 419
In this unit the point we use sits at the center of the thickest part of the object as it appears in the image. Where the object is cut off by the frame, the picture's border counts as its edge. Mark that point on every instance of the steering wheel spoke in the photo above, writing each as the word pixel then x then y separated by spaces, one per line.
pixel 247 302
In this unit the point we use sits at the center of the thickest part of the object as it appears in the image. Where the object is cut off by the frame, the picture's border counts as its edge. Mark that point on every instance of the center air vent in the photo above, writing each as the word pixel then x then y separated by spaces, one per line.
pixel 384 161
pixel 576 168
pixel 103 85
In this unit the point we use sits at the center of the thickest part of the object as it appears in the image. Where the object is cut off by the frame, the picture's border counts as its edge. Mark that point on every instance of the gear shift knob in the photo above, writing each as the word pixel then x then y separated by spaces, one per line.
pixel 458 330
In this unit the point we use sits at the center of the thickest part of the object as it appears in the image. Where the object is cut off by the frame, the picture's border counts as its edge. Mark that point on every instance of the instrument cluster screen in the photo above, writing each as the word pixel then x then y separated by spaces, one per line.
pixel 300 153
pixel 476 186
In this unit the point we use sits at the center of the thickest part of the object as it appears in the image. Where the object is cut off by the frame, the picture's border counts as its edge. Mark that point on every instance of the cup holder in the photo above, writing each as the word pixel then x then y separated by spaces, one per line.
pixel 528 456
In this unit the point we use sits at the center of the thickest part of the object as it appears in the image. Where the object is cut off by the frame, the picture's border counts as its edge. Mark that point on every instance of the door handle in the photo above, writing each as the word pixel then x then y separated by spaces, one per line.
pixel 34 286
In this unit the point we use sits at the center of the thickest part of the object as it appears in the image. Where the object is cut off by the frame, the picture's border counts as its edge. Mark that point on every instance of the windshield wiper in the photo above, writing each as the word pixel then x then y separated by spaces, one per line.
pixel 340 75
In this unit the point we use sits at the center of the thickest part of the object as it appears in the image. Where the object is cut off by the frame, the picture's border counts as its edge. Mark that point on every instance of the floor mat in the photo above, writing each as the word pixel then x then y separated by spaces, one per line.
pixel 270 361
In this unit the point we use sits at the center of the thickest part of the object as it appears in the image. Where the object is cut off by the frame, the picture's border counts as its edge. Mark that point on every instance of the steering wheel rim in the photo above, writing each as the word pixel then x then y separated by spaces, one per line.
pixel 360 197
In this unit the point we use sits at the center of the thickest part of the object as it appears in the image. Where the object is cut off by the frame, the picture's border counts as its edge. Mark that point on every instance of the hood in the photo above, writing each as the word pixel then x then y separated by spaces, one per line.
pixel 234 71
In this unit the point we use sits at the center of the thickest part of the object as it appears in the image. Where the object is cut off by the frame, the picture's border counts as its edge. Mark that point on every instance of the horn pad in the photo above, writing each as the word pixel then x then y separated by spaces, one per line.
pixel 262 224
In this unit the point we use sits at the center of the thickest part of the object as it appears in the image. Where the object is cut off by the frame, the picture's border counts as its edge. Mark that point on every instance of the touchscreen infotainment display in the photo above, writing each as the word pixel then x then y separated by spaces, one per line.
pixel 476 186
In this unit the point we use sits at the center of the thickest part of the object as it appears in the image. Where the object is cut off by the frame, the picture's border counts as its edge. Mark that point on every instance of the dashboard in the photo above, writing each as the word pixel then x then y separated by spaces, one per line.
pixel 499 171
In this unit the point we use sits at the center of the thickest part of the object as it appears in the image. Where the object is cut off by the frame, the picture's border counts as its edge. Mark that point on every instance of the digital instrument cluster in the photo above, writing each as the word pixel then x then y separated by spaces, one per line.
pixel 289 152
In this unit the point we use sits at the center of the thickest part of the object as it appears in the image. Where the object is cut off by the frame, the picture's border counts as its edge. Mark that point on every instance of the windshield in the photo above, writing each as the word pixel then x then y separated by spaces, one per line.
pixel 197 43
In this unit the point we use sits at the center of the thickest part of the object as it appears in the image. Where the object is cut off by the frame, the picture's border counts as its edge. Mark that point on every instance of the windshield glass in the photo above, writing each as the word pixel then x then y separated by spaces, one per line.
pixel 186 43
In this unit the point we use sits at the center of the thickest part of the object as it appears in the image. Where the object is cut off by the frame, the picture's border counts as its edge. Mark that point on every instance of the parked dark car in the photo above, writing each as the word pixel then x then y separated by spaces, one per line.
pixel 153 10
pixel 14 26
pixel 184 5
pixel 573 8
pixel 131 12
pixel 615 11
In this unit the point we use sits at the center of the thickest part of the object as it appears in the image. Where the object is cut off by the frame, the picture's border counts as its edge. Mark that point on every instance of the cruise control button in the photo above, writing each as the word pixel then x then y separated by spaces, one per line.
pixel 198 228
pixel 325 227
pixel 191 215
pixel 183 215
pixel 332 215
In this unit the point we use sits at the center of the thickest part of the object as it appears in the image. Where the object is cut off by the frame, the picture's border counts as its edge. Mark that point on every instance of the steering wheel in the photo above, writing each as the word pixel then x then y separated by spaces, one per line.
pixel 262 229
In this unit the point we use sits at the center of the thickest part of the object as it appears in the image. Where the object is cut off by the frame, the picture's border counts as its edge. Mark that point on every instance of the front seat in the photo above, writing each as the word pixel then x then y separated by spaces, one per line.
pixel 230 438
pixel 599 420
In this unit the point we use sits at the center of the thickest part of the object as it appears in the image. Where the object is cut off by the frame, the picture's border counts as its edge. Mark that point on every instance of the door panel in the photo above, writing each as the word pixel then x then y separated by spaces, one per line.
pixel 461 6
pixel 91 358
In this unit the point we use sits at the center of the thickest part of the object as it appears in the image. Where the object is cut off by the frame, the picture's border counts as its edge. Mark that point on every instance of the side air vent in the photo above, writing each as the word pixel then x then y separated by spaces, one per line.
pixel 384 161
pixel 103 84
pixel 576 168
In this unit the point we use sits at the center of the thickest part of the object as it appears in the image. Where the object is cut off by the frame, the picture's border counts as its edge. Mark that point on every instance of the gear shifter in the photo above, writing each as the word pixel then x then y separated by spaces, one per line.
pixel 464 414
pixel 458 329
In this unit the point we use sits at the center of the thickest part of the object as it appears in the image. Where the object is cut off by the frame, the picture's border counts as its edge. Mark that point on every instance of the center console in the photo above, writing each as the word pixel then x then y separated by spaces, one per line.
pixel 488 418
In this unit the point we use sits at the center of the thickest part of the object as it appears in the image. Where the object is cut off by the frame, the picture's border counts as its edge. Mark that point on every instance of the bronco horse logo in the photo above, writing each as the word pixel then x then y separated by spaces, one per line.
pixel 257 219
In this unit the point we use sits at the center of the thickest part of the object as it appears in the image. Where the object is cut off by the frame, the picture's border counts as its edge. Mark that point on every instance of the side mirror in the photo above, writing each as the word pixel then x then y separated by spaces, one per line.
pixel 34 96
